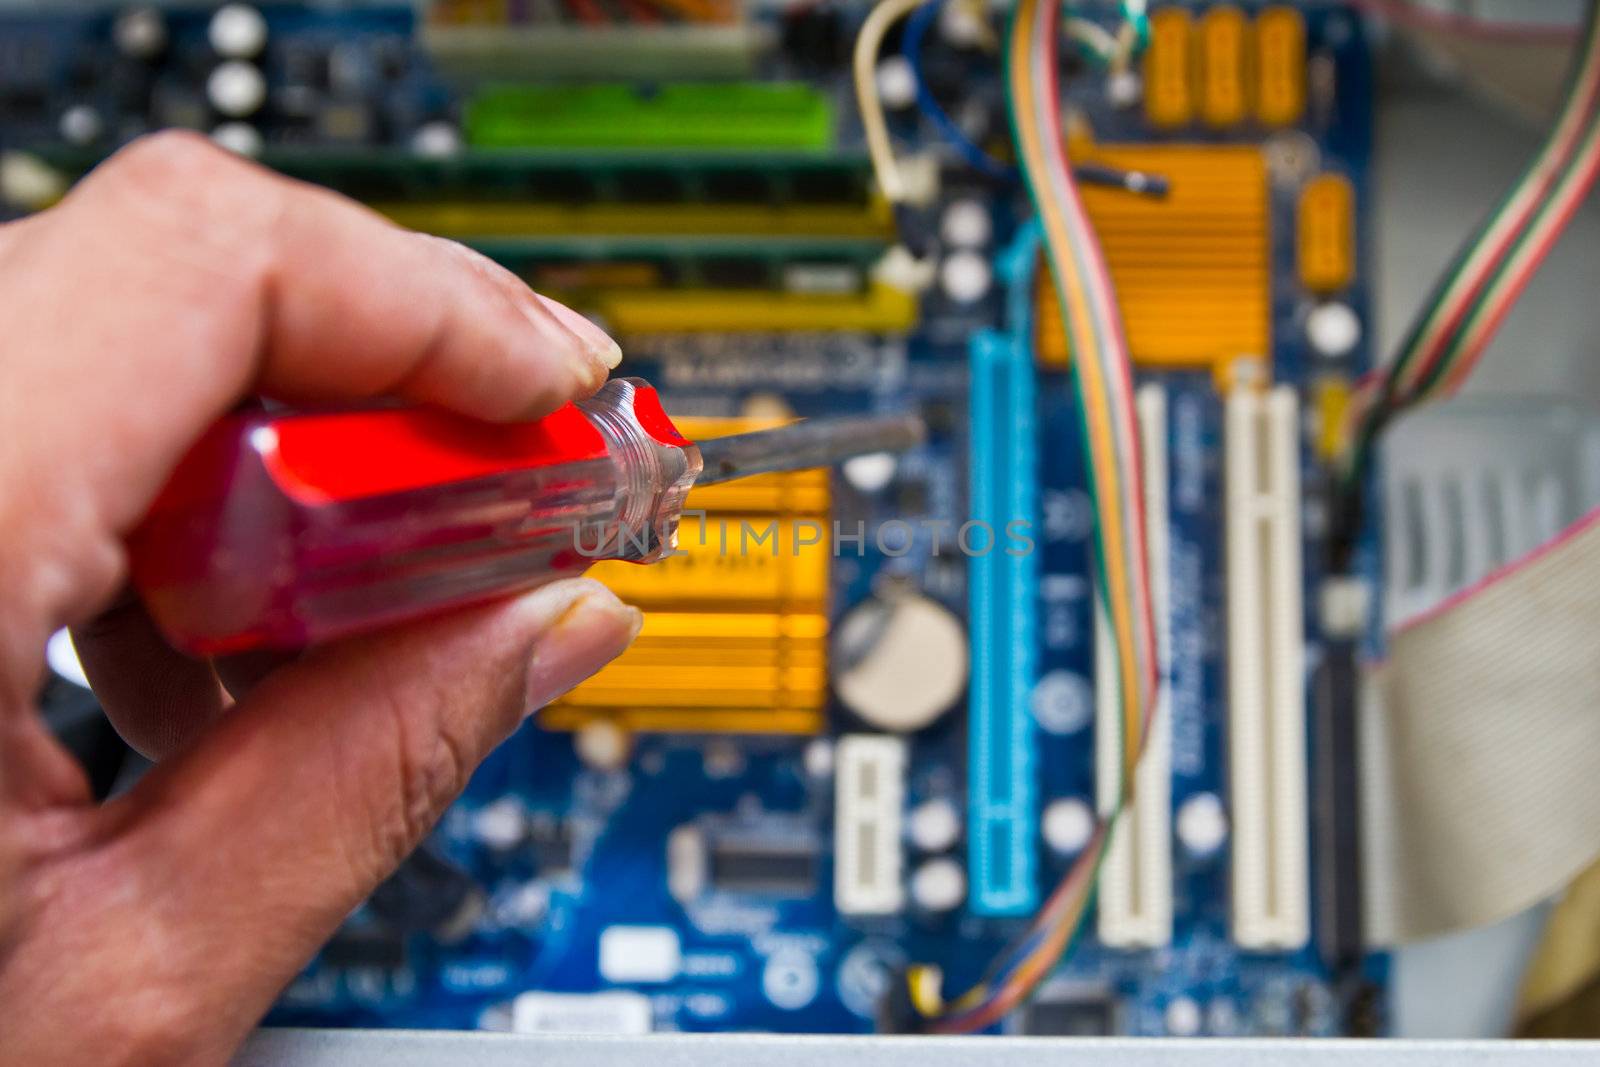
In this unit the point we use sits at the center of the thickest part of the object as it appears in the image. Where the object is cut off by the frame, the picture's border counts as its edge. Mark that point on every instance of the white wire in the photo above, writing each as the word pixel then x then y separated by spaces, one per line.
pixel 869 42
pixel 1096 37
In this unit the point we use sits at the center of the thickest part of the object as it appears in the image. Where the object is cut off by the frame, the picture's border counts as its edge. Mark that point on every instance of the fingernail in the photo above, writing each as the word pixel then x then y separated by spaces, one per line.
pixel 596 342
pixel 591 630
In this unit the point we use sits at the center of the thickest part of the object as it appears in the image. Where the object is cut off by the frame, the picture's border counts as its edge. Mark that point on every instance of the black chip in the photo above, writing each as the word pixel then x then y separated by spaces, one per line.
pixel 551 842
pixel 1075 1017
pixel 747 867
pixel 365 947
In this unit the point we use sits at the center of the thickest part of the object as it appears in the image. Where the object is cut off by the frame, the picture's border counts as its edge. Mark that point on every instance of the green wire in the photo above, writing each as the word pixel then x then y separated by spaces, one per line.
pixel 1386 406
pixel 1489 297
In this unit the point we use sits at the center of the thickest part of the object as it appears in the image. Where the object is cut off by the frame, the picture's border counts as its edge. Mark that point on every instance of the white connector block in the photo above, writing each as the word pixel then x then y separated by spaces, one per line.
pixel 1266 672
pixel 1135 895
pixel 868 810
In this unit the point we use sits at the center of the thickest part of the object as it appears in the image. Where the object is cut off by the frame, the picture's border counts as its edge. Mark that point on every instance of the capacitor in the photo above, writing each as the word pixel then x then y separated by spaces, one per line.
pixel 81 125
pixel 1333 329
pixel 603 745
pixel 900 661
pixel 870 473
pixel 965 277
pixel 934 825
pixel 140 32
pixel 966 224
pixel 236 88
pixel 961 26
pixel 939 885
pixel 897 83
pixel 237 31
pixel 1183 1017
pixel 817 759
pixel 1201 824
pixel 436 140
pixel 241 138
pixel 1067 825
pixel 1124 89
pixel 501 826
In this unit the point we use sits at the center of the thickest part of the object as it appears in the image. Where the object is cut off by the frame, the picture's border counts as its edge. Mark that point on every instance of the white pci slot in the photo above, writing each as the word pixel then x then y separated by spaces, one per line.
pixel 869 796
pixel 1266 672
pixel 1135 893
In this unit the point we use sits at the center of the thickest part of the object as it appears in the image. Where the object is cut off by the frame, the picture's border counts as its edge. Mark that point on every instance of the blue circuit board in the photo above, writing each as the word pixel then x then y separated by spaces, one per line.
pixel 596 859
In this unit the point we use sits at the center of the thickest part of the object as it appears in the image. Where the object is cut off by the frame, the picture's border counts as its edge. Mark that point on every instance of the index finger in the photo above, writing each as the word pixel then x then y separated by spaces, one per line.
pixel 177 279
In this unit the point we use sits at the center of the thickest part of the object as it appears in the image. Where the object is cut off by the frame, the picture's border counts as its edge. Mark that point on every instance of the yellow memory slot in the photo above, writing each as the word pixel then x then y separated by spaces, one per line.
pixel 880 309
pixel 469 220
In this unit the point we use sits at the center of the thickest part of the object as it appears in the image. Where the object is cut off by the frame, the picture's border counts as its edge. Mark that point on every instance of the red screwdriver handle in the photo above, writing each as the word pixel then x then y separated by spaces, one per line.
pixel 280 529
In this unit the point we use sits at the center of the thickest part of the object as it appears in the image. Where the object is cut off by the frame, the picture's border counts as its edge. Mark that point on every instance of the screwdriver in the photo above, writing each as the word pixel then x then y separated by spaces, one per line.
pixel 284 529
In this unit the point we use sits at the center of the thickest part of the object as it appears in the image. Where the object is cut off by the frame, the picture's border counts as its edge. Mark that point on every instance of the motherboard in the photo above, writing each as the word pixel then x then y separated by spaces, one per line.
pixel 861 728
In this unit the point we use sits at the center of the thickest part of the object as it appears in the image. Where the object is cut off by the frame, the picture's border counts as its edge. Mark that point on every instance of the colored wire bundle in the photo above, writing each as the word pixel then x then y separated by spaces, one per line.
pixel 1111 50
pixel 1104 385
pixel 911 46
pixel 1491 270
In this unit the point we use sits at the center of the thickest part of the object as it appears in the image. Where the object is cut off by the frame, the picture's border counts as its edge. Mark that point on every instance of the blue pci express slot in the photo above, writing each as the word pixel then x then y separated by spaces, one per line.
pixel 1003 587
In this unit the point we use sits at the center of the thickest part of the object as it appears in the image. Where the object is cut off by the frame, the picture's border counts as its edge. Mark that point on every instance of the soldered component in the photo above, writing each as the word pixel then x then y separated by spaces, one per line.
pixel 1188 300
pixel 938 885
pixel 1325 234
pixel 1224 64
pixel 1280 66
pixel 736 629
pixel 900 662
pixel 1072 1013
pixel 1330 397
pixel 763 865
pixel 1169 69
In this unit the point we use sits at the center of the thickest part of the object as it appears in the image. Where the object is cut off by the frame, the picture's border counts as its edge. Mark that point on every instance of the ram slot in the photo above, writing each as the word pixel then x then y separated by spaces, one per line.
pixel 869 795
pixel 1266 685
pixel 1135 893
pixel 1002 792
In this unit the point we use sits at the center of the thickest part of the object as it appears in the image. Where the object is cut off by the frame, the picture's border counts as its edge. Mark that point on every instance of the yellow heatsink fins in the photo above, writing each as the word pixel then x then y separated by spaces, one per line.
pixel 1325 233
pixel 1169 69
pixel 736 626
pixel 1192 271
pixel 1280 66
pixel 1224 60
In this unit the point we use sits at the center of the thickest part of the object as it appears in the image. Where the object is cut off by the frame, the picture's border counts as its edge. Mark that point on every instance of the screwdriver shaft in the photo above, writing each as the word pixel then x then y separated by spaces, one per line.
pixel 804 444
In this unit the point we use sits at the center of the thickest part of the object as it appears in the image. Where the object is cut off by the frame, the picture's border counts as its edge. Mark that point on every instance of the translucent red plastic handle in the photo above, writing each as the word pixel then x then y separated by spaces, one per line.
pixel 281 529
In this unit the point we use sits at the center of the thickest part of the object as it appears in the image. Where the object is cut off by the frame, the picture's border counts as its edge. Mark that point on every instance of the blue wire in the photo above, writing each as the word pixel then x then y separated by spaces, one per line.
pixel 911 48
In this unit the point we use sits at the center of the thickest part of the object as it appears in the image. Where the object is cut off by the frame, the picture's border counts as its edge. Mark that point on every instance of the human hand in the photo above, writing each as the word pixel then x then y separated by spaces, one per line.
pixel 173 282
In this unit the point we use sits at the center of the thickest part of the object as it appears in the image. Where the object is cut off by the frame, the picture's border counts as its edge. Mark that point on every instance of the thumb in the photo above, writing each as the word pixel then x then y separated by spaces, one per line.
pixel 293 807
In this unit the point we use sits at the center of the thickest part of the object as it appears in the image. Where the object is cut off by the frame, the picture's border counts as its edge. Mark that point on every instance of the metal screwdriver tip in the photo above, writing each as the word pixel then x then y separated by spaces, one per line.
pixel 808 443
